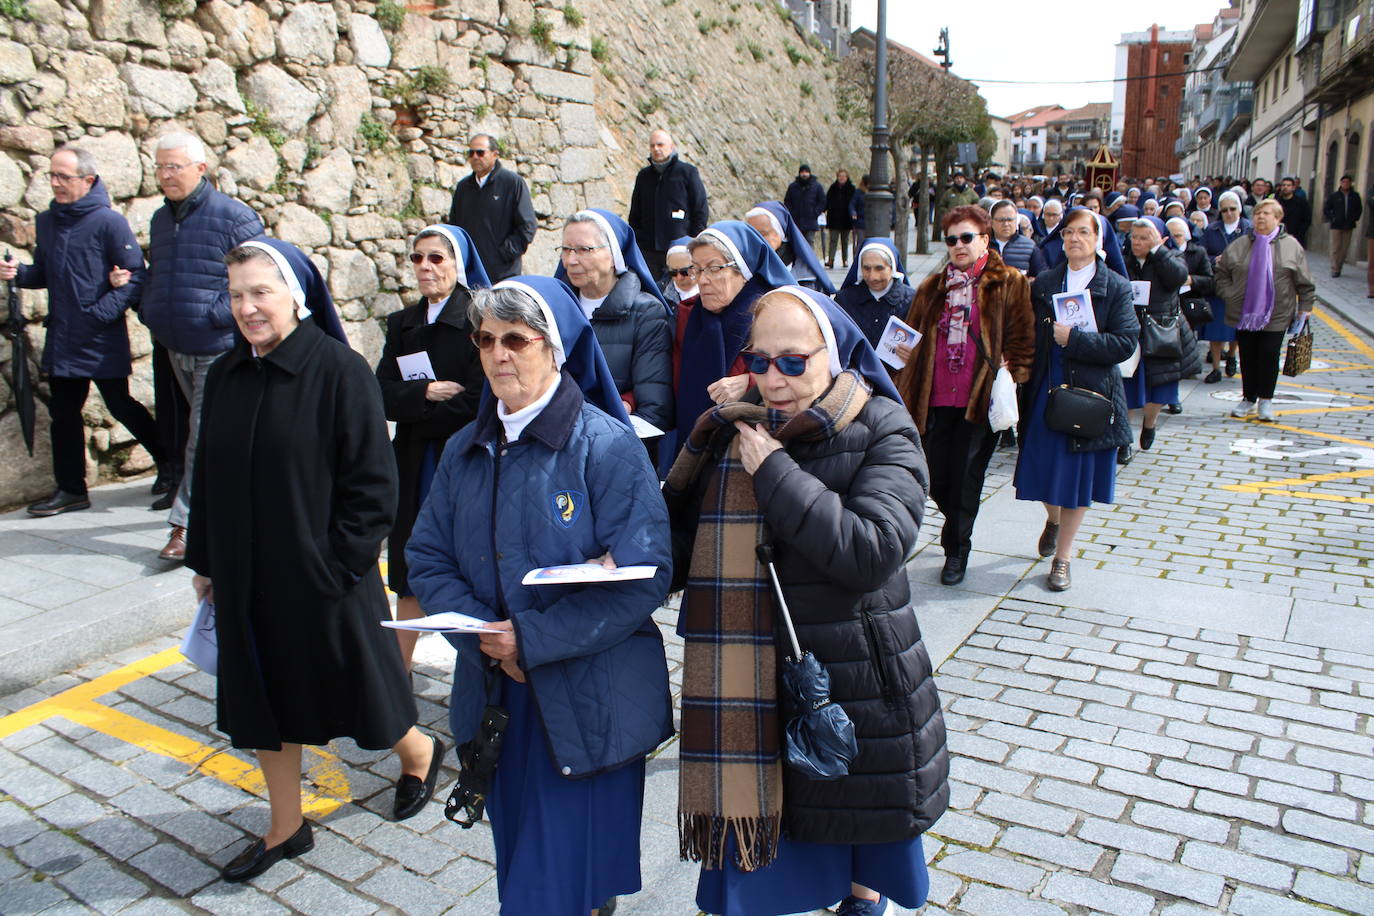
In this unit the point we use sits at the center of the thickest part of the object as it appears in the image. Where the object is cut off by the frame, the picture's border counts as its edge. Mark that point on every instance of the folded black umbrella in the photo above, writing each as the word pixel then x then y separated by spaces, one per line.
pixel 20 380
pixel 820 739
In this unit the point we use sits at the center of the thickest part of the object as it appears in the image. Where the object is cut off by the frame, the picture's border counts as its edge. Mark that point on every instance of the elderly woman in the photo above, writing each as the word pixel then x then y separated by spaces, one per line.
pixel 1050 215
pixel 1264 281
pixel 1216 238
pixel 772 221
pixel 1188 243
pixel 974 317
pixel 579 669
pixel 875 288
pixel 821 462
pixel 1069 473
pixel 733 266
pixel 294 490
pixel 600 259
pixel 1155 382
pixel 431 380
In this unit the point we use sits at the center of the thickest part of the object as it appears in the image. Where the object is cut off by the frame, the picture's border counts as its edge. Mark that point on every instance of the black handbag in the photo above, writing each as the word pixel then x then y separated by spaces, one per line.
pixel 1197 312
pixel 1078 412
pixel 1161 338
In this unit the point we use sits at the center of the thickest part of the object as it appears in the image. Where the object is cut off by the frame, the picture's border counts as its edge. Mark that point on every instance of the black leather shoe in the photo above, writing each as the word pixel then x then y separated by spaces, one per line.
pixel 1049 540
pixel 1147 437
pixel 1124 454
pixel 1232 367
pixel 60 501
pixel 1174 409
pixel 953 573
pixel 257 858
pixel 165 482
pixel 411 792
pixel 1212 377
pixel 164 502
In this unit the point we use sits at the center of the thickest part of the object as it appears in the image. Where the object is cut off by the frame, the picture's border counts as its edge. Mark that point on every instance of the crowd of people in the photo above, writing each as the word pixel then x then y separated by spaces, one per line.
pixel 690 396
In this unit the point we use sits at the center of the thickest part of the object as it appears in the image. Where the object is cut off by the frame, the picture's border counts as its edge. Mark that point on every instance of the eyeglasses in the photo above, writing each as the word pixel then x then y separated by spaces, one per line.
pixel 55 176
pixel 512 341
pixel 479 153
pixel 1229 209
pixel 711 271
pixel 965 237
pixel 789 364
pixel 433 257
pixel 680 272
pixel 1004 219
pixel 581 251
pixel 168 168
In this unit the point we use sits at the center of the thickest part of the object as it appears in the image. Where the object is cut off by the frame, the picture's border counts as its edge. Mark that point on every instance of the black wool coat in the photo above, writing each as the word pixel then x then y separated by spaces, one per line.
pixel 421 422
pixel 843 513
pixel 294 490
pixel 1166 270
pixel 499 215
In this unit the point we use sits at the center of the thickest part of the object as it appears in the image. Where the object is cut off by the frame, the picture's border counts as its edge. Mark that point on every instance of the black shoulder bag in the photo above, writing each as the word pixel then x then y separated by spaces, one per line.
pixel 1078 412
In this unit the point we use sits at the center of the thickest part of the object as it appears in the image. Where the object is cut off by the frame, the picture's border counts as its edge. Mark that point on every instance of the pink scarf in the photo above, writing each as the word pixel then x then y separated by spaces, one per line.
pixel 961 298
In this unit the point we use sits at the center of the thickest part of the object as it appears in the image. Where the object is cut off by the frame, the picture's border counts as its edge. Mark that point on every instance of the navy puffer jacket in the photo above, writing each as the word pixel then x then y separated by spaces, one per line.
pixel 575 485
pixel 637 341
pixel 186 299
pixel 78 243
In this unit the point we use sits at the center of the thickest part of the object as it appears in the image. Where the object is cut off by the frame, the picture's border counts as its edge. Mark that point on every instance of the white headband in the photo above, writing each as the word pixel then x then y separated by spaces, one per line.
pixel 555 338
pixel 760 211
pixel 735 256
pixel 886 253
pixel 677 249
pixel 1231 194
pixel 457 251
pixel 1182 222
pixel 616 255
pixel 827 330
pixel 293 282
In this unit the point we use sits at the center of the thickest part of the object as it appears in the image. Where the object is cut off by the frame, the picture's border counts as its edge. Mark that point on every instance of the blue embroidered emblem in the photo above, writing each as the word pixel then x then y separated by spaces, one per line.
pixel 567 507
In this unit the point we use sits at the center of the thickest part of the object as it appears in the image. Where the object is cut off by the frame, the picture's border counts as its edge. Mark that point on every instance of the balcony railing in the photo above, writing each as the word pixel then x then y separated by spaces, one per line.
pixel 1207 120
pixel 1238 115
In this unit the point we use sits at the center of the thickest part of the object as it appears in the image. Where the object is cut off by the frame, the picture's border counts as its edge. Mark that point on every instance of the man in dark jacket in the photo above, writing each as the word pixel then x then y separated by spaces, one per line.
pixel 669 201
pixel 1342 211
pixel 186 300
pixel 1016 249
pixel 805 200
pixel 493 204
pixel 1297 212
pixel 80 240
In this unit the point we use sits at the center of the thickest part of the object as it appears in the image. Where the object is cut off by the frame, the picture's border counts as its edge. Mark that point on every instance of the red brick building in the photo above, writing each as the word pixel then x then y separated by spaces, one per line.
pixel 1153 64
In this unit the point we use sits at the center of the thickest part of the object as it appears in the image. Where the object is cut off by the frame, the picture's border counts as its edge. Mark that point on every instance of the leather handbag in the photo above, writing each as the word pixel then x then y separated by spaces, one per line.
pixel 1078 412
pixel 1197 312
pixel 1161 338
pixel 1297 358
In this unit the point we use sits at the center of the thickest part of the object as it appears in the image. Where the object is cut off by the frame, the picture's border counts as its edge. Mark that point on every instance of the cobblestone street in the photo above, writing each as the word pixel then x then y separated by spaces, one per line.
pixel 1187 730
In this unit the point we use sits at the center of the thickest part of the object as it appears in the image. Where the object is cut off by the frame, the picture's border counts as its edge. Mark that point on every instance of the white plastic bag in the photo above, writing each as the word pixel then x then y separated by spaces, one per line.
pixel 1130 363
pixel 200 645
pixel 1002 410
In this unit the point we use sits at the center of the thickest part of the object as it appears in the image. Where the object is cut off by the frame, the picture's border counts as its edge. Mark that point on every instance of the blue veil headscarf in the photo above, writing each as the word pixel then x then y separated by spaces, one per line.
pixel 575 350
pixel 846 346
pixel 712 340
pixel 307 287
pixel 801 250
pixel 624 252
pixel 1108 245
pixel 898 271
pixel 471 273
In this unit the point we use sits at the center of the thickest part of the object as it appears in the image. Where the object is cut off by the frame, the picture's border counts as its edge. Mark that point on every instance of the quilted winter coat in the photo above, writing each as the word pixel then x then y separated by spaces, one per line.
pixel 575 485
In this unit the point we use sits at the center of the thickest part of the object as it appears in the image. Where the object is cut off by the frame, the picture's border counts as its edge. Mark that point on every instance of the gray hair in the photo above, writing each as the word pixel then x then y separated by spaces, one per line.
pixel 492 142
pixel 85 162
pixel 1059 204
pixel 710 241
pixel 583 217
pixel 195 150
pixel 510 305
pixel 244 253
pixel 436 234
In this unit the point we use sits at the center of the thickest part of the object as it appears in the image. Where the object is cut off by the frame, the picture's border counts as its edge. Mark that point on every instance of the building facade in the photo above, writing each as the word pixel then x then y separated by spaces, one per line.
pixel 1215 115
pixel 1151 70
pixel 1073 137
pixel 1030 138
pixel 827 20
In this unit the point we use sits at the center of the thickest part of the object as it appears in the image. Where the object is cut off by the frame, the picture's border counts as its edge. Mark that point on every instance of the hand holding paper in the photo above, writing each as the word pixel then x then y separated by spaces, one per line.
pixel 443 622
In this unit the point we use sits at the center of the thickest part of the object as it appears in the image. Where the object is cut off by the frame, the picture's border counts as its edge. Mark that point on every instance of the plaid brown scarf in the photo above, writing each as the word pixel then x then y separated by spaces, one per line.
pixel 731 769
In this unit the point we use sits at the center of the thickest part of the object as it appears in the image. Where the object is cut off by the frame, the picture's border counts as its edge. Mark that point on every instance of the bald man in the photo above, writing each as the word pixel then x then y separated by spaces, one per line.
pixel 669 202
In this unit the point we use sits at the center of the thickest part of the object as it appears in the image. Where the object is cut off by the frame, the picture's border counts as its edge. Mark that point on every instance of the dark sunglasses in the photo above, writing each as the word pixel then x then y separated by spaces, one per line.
pixel 680 272
pixel 965 237
pixel 790 364
pixel 477 152
pixel 512 341
pixel 433 257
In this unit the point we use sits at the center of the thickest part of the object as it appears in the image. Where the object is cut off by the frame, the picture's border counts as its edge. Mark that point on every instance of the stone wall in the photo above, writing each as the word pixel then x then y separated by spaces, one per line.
pixel 344 124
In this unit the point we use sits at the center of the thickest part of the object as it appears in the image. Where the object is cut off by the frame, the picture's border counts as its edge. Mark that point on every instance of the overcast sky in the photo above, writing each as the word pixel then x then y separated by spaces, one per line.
pixel 1016 40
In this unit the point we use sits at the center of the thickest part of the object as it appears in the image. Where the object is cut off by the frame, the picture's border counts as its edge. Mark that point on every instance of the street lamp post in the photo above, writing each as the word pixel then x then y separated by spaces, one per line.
pixel 878 203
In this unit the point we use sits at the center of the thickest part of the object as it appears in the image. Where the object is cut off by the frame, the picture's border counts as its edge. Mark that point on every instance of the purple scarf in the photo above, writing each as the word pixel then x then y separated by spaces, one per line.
pixel 1259 285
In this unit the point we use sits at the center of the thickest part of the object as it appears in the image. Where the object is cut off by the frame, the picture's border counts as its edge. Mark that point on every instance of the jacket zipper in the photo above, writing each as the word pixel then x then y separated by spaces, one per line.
pixel 871 635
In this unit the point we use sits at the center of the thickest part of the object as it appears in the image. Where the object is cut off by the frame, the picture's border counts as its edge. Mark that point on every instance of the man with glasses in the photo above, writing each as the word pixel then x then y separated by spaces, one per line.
pixel 668 202
pixel 1016 250
pixel 186 300
pixel 81 241
pixel 493 205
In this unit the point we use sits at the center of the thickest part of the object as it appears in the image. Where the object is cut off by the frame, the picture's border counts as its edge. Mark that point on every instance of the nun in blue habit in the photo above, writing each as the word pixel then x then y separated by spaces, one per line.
pixel 579 669
pixel 772 221
pixel 294 492
pixel 735 266
pixel 1110 246
pixel 875 288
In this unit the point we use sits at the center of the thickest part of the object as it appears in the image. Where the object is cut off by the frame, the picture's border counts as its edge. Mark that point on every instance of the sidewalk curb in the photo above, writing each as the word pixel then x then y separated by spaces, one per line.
pixel 1351 321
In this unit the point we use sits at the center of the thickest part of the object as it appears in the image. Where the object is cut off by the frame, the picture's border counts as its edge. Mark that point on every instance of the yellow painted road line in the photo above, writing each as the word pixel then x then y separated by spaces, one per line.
pixel 1283 382
pixel 78 704
pixel 1360 346
pixel 1332 437
pixel 1298 481
pixel 1296 410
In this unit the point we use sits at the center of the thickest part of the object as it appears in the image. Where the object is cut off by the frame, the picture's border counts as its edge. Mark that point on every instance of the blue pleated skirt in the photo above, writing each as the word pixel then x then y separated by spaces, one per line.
pixel 563 846
pixel 1217 329
pixel 1138 393
pixel 809 876
pixel 1047 472
pixel 429 465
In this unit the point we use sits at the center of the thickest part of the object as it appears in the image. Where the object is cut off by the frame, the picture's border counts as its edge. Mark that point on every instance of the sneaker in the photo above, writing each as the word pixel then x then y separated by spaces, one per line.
pixel 1265 411
pixel 60 501
pixel 858 906
pixel 1243 409
pixel 1212 377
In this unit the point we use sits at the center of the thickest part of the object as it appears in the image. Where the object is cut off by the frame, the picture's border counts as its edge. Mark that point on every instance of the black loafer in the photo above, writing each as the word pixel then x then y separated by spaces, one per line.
pixel 953 573
pixel 411 792
pixel 164 502
pixel 1124 454
pixel 257 858
pixel 165 482
pixel 60 501
pixel 1147 437
pixel 1174 409
pixel 1232 367
pixel 1212 377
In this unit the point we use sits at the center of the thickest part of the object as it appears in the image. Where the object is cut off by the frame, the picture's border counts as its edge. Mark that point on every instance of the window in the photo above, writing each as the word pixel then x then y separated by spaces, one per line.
pixel 1166 57
pixel 1161 123
pixel 1035 152
pixel 1287 66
